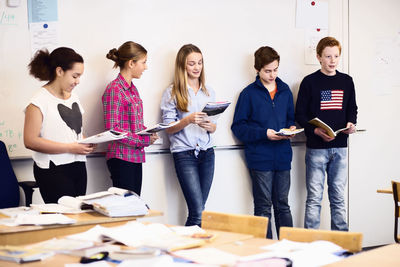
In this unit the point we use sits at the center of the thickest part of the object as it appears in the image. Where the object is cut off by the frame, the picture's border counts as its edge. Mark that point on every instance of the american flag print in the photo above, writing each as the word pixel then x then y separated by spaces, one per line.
pixel 331 99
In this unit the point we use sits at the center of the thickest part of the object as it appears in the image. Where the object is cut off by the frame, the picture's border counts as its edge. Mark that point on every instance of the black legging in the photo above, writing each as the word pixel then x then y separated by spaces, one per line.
pixel 124 174
pixel 63 180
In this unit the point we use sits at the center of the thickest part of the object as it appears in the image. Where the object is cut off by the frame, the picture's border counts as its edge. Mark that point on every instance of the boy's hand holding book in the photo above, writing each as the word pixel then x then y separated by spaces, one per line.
pixel 323 134
pixel 351 128
pixel 275 136
pixel 324 131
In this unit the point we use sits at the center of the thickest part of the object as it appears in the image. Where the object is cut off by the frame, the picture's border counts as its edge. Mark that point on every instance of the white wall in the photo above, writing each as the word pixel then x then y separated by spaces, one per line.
pixel 359 24
pixel 374 59
pixel 227 31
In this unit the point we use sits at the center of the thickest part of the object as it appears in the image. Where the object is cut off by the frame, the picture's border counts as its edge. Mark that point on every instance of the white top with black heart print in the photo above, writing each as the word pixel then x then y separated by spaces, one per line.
pixel 62 122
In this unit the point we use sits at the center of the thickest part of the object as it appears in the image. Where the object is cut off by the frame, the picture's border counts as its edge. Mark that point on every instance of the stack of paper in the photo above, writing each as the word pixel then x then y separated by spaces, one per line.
pixel 116 202
pixel 119 206
pixel 22 255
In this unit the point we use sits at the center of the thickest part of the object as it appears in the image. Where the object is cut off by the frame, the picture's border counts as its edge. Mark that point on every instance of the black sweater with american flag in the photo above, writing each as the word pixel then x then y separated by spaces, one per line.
pixel 330 98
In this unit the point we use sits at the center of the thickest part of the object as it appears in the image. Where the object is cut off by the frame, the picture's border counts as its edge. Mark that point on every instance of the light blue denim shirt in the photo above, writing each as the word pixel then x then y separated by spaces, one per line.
pixel 192 136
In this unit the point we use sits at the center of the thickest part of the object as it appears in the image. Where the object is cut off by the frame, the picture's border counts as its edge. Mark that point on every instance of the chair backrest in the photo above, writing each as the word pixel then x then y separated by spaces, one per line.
pixel 396 194
pixel 244 224
pixel 351 241
pixel 9 189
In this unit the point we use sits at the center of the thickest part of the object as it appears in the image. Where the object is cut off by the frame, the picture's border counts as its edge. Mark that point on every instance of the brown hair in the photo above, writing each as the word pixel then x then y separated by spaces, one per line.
pixel 328 42
pixel 44 64
pixel 263 56
pixel 127 51
pixel 179 87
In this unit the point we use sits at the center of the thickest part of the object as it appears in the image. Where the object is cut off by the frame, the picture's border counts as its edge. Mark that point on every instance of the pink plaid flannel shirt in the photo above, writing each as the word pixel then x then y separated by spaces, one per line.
pixel 123 112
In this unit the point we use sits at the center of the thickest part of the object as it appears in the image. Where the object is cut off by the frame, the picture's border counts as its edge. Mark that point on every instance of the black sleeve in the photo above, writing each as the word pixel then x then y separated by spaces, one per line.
pixel 302 104
pixel 351 109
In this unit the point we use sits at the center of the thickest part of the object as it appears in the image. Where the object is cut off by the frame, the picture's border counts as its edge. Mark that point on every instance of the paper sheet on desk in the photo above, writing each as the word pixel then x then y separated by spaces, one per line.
pixel 187 230
pixel 210 256
pixel 136 234
pixel 92 264
pixel 305 254
pixel 160 261
pixel 13 212
pixel 41 219
pixel 93 234
pixel 56 208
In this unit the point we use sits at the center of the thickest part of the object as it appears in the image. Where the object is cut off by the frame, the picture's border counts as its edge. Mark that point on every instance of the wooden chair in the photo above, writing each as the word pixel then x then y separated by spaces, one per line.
pixel 396 194
pixel 244 224
pixel 348 240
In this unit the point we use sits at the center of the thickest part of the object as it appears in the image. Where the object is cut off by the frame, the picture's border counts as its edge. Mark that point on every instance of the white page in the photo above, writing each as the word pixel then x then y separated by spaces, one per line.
pixel 208 256
pixel 13 212
pixel 160 261
pixel 312 14
pixel 58 244
pixel 156 128
pixel 103 137
pixel 92 264
pixel 93 234
pixel 309 258
pixel 55 208
pixel 43 219
pixel 308 254
pixel 95 195
pixel 187 230
pixel 286 245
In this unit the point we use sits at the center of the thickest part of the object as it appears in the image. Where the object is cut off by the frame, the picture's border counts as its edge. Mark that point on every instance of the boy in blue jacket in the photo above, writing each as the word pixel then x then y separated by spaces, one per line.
pixel 263 108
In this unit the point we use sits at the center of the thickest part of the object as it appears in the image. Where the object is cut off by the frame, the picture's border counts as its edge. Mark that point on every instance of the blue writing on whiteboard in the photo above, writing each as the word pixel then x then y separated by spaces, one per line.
pixel 7 18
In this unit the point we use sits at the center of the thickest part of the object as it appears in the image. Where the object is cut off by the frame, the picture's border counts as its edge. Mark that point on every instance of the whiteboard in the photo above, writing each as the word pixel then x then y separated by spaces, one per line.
pixel 227 31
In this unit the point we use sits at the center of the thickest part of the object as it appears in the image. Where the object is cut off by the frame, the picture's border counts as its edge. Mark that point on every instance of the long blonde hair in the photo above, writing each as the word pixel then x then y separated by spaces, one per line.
pixel 179 86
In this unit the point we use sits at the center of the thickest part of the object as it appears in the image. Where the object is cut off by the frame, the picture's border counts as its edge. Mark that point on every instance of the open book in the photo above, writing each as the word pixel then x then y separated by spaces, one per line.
pixel 288 132
pixel 106 136
pixel 81 248
pixel 65 205
pixel 137 234
pixel 156 128
pixel 215 108
pixel 116 202
pixel 319 123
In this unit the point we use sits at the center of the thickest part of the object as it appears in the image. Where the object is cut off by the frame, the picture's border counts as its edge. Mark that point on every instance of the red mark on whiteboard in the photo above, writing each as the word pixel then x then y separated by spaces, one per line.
pixel 318 30
pixel 313 3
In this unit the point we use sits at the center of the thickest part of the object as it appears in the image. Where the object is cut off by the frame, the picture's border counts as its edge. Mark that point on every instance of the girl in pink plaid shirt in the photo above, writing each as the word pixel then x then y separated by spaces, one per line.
pixel 123 112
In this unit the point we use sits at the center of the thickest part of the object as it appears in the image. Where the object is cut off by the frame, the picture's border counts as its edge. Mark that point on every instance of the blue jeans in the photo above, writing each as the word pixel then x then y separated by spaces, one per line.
pixel 271 188
pixel 195 175
pixel 332 161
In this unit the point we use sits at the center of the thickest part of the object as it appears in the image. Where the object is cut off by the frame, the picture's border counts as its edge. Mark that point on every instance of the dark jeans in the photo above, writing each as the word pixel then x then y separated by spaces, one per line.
pixel 62 180
pixel 195 175
pixel 271 188
pixel 125 174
